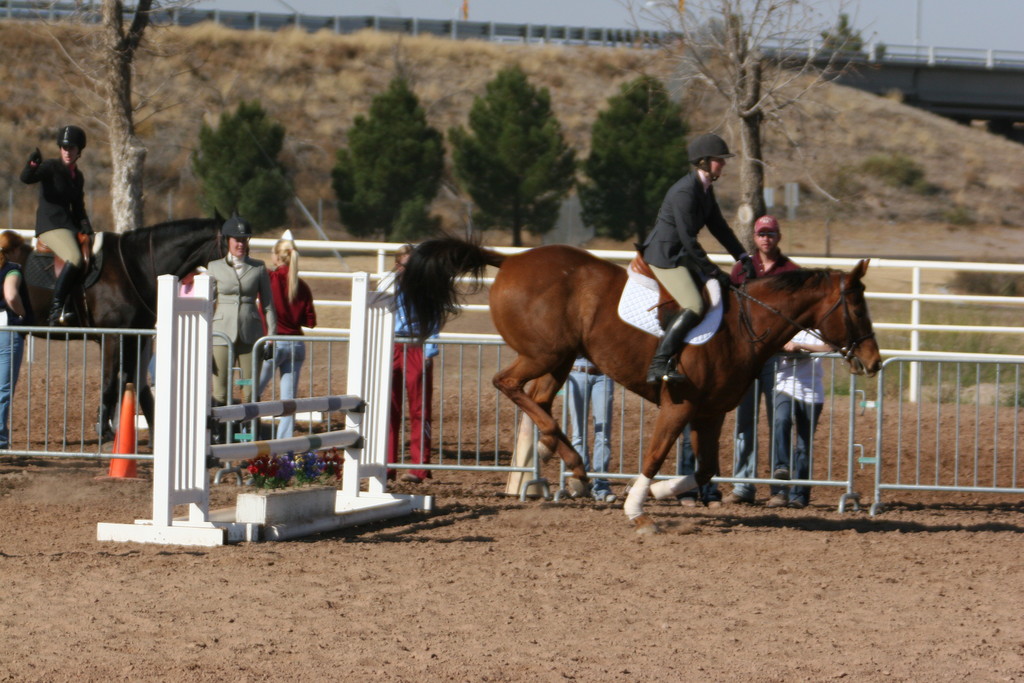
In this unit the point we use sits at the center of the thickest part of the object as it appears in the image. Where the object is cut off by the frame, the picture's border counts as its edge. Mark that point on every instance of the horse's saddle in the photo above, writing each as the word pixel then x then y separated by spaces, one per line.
pixel 43 265
pixel 643 298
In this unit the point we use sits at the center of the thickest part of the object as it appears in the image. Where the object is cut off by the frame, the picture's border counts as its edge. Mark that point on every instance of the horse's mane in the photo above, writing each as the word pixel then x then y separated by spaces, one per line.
pixel 169 229
pixel 794 280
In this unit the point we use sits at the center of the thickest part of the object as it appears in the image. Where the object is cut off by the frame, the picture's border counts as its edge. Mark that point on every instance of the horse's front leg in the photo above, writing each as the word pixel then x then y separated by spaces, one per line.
pixel 667 428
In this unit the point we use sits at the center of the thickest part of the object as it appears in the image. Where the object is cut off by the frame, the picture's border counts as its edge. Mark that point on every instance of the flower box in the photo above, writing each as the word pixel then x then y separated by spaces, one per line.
pixel 285 506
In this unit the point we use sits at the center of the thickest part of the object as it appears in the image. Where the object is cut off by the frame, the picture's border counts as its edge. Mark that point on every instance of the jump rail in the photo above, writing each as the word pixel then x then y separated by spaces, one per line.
pixel 182 444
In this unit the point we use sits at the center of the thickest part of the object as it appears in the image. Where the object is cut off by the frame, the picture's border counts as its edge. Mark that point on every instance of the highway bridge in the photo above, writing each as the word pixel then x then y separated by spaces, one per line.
pixel 963 84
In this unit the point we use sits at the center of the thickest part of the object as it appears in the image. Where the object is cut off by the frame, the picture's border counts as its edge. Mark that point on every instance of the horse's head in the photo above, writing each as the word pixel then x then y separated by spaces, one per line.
pixel 846 324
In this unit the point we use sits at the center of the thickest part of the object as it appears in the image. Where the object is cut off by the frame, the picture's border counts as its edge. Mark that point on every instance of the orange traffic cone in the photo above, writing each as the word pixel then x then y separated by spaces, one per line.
pixel 124 440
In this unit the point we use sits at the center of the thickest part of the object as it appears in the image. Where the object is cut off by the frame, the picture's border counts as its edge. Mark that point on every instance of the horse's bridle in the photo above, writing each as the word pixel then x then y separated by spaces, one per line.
pixel 847 351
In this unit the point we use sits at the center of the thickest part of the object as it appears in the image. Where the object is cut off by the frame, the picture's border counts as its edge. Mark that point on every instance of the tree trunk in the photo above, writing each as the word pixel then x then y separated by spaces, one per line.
pixel 752 204
pixel 127 153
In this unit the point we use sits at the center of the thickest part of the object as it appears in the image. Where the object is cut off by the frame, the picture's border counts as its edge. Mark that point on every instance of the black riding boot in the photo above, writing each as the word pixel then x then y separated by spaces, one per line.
pixel 662 367
pixel 66 282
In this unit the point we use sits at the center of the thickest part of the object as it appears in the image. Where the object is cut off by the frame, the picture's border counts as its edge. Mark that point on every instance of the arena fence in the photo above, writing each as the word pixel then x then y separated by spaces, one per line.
pixel 962 436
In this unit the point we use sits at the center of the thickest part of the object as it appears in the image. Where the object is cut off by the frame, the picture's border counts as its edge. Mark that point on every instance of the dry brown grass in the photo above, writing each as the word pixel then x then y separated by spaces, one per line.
pixel 316 84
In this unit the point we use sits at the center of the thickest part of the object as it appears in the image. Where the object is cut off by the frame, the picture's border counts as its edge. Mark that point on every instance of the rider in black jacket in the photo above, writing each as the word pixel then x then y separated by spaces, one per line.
pixel 675 256
pixel 61 214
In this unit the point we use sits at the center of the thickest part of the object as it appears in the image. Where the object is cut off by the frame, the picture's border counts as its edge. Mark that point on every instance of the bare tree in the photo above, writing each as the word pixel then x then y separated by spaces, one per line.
pixel 119 44
pixel 761 56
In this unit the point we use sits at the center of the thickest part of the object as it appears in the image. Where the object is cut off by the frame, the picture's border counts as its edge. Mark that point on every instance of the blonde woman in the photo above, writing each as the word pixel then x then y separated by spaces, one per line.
pixel 293 302
pixel 15 309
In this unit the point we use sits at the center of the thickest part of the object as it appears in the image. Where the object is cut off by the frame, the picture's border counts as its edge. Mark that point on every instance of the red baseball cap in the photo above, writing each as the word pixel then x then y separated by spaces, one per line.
pixel 766 223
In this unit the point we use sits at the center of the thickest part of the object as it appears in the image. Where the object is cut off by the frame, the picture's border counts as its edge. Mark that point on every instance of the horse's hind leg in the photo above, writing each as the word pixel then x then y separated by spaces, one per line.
pixel 537 406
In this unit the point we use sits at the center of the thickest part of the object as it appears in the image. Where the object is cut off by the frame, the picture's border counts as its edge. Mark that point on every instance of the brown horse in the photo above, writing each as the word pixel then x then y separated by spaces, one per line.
pixel 555 303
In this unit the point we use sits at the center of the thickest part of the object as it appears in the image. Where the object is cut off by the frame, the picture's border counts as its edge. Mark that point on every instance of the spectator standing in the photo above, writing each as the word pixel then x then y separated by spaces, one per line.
pixel 61 215
pixel 293 302
pixel 241 286
pixel 412 370
pixel 768 259
pixel 591 392
pixel 799 399
pixel 709 494
pixel 15 309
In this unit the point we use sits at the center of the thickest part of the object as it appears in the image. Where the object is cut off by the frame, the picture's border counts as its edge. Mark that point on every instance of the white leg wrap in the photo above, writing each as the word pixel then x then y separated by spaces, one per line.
pixel 670 488
pixel 634 505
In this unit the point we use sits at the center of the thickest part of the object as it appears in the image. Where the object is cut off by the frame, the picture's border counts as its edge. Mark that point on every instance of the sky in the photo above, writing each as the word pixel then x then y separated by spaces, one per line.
pixel 975 24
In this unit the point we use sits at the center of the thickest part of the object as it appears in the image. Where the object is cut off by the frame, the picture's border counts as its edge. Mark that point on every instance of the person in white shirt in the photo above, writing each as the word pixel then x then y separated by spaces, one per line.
pixel 799 399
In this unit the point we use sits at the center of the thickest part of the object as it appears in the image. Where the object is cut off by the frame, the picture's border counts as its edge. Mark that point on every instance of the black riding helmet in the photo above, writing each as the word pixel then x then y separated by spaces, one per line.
pixel 71 136
pixel 236 227
pixel 707 145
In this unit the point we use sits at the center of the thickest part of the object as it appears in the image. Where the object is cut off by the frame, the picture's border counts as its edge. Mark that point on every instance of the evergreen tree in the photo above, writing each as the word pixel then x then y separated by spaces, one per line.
pixel 637 151
pixel 843 37
pixel 514 163
pixel 391 170
pixel 238 169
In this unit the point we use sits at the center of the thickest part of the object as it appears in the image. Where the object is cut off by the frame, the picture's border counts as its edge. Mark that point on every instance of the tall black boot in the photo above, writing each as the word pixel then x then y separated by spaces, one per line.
pixel 61 290
pixel 662 367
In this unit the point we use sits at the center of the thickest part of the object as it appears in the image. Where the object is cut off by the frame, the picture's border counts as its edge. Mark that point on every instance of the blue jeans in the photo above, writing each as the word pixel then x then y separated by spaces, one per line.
pixel 288 359
pixel 592 394
pixel 12 345
pixel 687 464
pixel 794 457
pixel 744 455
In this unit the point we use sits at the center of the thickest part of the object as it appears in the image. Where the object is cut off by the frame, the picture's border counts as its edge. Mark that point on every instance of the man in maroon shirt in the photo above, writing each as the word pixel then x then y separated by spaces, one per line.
pixel 768 260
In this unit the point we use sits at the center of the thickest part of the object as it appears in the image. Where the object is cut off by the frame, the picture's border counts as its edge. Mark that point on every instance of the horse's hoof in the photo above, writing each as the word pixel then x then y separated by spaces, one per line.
pixel 577 488
pixel 645 525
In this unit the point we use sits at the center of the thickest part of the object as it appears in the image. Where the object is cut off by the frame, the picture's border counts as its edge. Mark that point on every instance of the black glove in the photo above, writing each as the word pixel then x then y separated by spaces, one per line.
pixel 35 157
pixel 268 351
pixel 86 228
pixel 748 266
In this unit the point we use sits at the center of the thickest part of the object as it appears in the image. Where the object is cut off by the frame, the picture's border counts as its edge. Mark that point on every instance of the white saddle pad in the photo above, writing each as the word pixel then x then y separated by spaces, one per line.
pixel 639 299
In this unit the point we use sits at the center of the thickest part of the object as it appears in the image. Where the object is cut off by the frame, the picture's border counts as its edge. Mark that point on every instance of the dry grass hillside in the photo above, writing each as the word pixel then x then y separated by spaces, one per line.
pixel 973 205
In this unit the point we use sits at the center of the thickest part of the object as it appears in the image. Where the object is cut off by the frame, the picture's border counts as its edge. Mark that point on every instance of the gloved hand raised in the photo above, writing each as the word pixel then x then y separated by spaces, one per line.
pixel 36 157
pixel 747 264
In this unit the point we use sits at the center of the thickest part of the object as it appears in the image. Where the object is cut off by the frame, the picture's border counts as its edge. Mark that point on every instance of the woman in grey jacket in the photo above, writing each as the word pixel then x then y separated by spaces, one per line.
pixel 240 284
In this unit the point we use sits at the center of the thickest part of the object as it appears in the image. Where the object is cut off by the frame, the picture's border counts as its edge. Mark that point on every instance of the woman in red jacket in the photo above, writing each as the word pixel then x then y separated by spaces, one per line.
pixel 293 302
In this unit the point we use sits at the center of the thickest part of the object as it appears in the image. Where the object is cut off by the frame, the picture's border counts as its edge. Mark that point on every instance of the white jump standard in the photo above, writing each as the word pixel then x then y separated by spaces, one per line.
pixel 182 444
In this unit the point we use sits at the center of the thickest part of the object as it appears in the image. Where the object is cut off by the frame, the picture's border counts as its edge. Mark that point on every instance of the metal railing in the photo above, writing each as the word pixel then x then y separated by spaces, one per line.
pixel 503 32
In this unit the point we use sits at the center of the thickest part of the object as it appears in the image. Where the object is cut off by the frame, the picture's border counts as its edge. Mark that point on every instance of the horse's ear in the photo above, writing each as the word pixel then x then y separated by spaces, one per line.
pixel 217 217
pixel 859 270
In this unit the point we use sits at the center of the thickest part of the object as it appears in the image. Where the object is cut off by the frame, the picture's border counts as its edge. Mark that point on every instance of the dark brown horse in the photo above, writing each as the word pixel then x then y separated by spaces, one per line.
pixel 122 294
pixel 555 303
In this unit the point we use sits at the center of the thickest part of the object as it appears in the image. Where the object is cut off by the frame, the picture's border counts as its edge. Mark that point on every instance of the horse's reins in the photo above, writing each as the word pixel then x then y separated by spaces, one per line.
pixel 847 352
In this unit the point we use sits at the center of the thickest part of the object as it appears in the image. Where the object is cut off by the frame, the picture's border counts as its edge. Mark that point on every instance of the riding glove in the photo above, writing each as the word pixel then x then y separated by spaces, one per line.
pixel 748 266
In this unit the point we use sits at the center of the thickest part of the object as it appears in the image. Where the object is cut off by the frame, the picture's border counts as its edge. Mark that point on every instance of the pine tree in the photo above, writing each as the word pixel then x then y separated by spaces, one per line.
pixel 391 170
pixel 638 150
pixel 238 168
pixel 514 163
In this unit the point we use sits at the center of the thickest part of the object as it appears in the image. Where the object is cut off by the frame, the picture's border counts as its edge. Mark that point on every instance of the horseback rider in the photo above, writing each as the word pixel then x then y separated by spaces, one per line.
pixel 61 215
pixel 679 262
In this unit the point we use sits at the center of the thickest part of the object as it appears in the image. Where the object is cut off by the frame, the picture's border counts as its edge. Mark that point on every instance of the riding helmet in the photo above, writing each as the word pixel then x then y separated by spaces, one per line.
pixel 71 136
pixel 236 227
pixel 708 145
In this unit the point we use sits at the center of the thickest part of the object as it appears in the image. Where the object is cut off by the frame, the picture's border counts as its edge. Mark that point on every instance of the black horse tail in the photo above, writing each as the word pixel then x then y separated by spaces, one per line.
pixel 429 283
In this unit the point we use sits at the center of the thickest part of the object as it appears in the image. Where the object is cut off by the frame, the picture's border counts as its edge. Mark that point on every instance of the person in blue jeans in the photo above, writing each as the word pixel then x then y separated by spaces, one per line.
pixel 15 309
pixel 768 259
pixel 799 399
pixel 590 392
pixel 293 302
pixel 687 464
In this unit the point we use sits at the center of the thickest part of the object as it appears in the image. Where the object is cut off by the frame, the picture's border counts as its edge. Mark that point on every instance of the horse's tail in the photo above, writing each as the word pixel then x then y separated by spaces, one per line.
pixel 429 283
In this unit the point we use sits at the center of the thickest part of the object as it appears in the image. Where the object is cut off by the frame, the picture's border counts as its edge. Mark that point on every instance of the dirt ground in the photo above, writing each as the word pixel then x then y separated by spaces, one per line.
pixel 488 588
